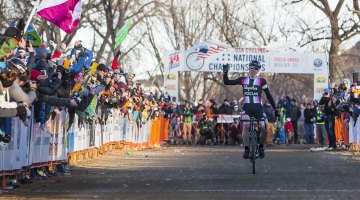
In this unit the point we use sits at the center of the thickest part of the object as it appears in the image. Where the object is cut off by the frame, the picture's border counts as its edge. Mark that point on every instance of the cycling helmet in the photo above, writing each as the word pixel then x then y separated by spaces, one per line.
pixel 256 64
pixel 17 63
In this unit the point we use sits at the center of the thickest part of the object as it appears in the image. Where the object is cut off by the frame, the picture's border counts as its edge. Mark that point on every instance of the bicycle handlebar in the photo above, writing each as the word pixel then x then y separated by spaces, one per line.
pixel 253 120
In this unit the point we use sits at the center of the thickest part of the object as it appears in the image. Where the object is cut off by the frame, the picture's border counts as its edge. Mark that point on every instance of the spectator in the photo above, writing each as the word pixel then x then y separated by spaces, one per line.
pixel 279 121
pixel 225 108
pixel 301 125
pixel 294 114
pixel 234 133
pixel 309 115
pixel 236 110
pixel 320 125
pixel 289 131
pixel 270 129
pixel 206 125
pixel 329 110
pixel 187 127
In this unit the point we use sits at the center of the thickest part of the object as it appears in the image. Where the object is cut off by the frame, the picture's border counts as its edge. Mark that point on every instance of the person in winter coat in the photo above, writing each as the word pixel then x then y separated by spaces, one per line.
pixel 309 115
pixel 225 108
pixel 294 113
pixel 84 53
pixel 329 111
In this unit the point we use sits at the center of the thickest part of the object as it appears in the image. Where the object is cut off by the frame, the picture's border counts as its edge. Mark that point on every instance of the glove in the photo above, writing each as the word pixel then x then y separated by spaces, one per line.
pixel 21 111
pixel 226 68
pixel 118 53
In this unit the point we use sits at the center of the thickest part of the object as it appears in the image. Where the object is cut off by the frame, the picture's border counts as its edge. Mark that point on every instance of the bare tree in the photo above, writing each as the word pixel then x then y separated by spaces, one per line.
pixel 113 14
pixel 334 27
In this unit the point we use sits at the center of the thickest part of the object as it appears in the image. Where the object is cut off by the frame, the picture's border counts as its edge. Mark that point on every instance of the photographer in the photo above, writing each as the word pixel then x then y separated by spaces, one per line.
pixel 206 125
pixel 234 132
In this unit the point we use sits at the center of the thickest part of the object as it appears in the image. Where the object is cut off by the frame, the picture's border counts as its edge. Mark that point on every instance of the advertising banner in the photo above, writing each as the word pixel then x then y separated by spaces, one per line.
pixel 172 64
pixel 320 83
pixel 210 57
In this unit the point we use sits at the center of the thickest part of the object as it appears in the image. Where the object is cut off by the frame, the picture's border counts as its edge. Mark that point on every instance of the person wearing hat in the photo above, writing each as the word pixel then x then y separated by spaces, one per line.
pixel 8 41
pixel 253 86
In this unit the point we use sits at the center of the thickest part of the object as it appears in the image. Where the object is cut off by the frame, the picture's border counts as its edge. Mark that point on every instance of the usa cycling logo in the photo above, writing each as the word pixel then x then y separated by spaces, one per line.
pixel 195 60
pixel 318 62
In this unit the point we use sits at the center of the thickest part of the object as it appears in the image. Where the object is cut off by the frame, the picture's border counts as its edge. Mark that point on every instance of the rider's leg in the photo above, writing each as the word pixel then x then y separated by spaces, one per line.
pixel 262 140
pixel 245 131
pixel 263 133
pixel 245 135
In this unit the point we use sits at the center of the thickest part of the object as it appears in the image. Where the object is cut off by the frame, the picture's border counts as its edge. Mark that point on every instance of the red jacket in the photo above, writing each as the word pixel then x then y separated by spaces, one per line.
pixel 288 127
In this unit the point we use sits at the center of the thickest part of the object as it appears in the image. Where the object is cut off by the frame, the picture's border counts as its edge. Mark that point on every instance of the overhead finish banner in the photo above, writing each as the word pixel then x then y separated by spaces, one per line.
pixel 210 57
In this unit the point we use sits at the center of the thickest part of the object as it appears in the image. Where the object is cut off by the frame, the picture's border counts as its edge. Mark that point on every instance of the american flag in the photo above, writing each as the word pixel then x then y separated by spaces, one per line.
pixel 204 53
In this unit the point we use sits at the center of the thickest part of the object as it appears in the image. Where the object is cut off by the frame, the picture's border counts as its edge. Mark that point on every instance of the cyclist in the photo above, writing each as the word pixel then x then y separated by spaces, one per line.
pixel 253 86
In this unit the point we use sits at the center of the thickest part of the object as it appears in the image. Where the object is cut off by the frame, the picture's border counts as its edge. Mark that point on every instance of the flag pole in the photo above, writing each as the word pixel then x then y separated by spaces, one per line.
pixel 32 14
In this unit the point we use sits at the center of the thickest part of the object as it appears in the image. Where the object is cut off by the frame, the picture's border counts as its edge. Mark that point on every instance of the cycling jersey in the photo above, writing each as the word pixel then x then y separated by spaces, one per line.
pixel 252 90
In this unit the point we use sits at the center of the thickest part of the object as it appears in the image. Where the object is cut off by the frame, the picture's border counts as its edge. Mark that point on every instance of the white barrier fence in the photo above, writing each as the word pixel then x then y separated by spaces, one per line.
pixel 354 131
pixel 34 144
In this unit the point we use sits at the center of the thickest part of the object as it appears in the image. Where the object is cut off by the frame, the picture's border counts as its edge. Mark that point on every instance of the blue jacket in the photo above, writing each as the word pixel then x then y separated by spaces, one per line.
pixel 89 56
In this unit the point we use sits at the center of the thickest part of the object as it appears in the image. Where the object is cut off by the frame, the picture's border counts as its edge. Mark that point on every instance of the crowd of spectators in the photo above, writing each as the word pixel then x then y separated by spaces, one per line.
pixel 325 122
pixel 42 81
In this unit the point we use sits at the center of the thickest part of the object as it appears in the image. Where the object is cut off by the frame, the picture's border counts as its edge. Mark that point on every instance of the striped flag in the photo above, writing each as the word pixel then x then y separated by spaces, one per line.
pixel 122 33
pixel 65 14
pixel 204 53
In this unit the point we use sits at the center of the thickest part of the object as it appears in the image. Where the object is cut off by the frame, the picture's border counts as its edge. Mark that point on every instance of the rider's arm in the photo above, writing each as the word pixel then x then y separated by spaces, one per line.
pixel 268 94
pixel 231 82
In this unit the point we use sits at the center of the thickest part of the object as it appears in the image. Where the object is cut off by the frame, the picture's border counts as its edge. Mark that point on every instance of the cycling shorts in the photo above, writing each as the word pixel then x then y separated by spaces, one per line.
pixel 254 110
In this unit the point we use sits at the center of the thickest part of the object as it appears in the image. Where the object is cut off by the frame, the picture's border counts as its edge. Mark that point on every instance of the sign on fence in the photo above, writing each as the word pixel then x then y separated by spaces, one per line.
pixel 227 118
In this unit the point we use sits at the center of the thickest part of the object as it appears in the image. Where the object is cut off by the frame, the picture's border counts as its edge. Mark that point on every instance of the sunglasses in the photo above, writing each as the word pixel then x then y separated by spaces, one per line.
pixel 253 67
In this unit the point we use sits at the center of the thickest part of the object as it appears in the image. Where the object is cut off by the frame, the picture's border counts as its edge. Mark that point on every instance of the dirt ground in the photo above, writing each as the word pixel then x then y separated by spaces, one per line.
pixel 204 172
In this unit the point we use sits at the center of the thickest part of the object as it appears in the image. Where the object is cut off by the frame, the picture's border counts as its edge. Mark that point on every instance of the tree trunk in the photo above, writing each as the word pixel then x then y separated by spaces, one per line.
pixel 335 73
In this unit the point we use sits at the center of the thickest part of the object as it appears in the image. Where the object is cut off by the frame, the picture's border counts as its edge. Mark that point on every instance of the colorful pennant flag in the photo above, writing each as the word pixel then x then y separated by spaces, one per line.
pixel 32 35
pixel 122 33
pixel 65 14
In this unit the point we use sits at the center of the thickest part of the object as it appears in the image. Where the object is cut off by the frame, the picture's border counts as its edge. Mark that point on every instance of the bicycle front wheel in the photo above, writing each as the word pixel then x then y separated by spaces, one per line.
pixel 253 152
